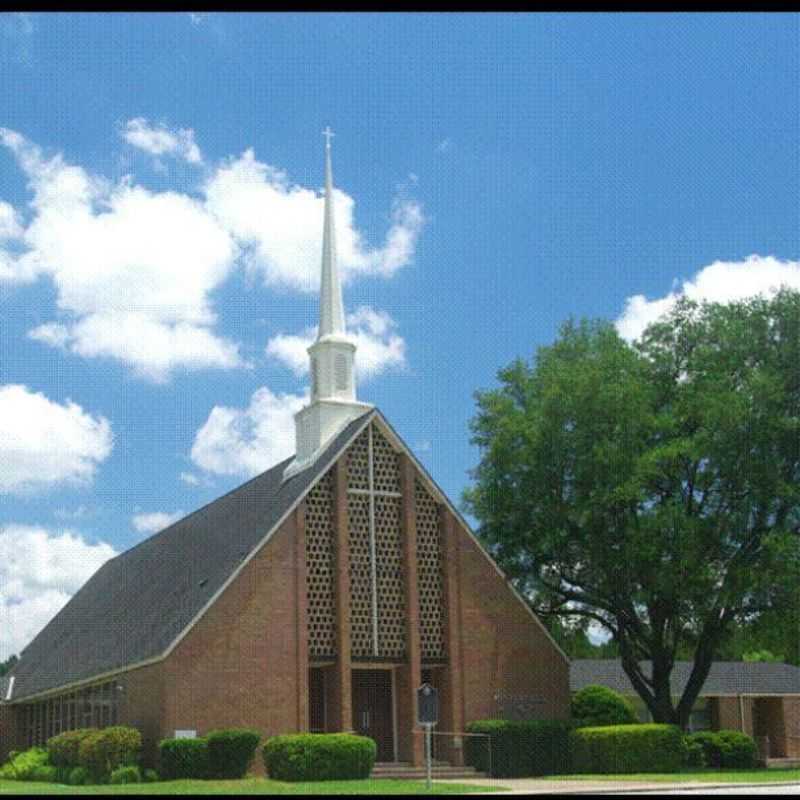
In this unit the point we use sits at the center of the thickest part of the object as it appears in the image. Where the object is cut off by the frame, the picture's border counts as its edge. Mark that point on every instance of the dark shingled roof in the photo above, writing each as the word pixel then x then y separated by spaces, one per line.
pixel 135 605
pixel 725 678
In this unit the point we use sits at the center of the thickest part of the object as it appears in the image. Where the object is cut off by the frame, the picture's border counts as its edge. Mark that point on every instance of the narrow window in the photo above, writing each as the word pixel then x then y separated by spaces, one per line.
pixel 341 373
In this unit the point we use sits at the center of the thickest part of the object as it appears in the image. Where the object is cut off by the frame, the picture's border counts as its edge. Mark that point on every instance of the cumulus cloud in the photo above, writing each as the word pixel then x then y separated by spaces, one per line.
pixel 155 521
pixel 159 140
pixel 43 443
pixel 280 224
pixel 39 571
pixel 134 269
pixel 247 441
pixel 721 282
pixel 379 347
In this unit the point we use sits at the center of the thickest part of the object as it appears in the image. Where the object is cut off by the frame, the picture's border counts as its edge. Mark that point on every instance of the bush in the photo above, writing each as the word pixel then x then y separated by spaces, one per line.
pixel 79 776
pixel 183 758
pixel 63 749
pixel 230 752
pixel 726 748
pixel 627 748
pixel 22 765
pixel 101 752
pixel 125 775
pixel 319 757
pixel 44 774
pixel 693 755
pixel 150 776
pixel 593 706
pixel 518 749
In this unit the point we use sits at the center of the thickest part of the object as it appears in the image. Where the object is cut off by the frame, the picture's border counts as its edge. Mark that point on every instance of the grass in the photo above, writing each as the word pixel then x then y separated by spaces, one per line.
pixel 246 786
pixel 699 775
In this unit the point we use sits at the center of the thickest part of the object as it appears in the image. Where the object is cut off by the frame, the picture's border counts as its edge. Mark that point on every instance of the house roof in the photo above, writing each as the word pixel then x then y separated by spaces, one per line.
pixel 134 608
pixel 725 677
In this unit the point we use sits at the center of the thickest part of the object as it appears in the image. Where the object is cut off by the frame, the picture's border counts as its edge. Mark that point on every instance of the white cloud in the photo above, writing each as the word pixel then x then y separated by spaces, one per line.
pixel 159 140
pixel 197 17
pixel 281 225
pixel 247 441
pixel 155 521
pixel 190 478
pixel 43 443
pixel 133 269
pixel 721 282
pixel 444 145
pixel 39 571
pixel 10 225
pixel 379 347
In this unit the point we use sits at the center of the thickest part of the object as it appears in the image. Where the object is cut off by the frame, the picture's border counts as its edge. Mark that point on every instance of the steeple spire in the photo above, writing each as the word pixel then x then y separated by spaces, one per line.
pixel 332 356
pixel 331 307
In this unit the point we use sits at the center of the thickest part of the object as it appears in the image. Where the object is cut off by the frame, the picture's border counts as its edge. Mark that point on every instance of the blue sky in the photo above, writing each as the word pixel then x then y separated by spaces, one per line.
pixel 160 220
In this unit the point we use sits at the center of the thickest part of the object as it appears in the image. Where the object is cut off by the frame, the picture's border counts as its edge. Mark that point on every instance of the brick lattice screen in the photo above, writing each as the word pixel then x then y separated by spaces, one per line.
pixel 429 574
pixel 319 560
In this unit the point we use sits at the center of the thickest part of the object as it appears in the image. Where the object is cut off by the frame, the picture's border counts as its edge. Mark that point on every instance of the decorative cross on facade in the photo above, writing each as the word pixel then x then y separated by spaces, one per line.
pixel 328 134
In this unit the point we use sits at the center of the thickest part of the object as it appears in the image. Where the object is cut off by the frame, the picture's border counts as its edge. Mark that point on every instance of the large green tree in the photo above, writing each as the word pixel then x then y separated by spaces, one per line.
pixel 651 488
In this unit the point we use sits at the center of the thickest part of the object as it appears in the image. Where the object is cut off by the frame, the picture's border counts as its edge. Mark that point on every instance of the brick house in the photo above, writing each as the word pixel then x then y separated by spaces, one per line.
pixel 316 597
pixel 760 698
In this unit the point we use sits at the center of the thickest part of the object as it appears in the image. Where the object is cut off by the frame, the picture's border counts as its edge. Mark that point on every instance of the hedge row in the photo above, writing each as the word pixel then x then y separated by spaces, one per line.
pixel 100 752
pixel 596 705
pixel 223 754
pixel 622 749
pixel 319 757
pixel 724 748
pixel 518 749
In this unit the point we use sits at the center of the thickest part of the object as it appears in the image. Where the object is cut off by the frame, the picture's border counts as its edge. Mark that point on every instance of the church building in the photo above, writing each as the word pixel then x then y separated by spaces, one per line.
pixel 318 596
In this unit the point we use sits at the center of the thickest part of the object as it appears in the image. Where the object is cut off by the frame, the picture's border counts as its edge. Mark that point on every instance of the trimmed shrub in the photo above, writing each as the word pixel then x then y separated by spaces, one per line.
pixel 22 765
pixel 104 751
pixel 44 774
pixel 230 752
pixel 183 758
pixel 627 748
pixel 63 749
pixel 150 776
pixel 595 706
pixel 79 776
pixel 726 748
pixel 693 755
pixel 518 749
pixel 319 757
pixel 125 775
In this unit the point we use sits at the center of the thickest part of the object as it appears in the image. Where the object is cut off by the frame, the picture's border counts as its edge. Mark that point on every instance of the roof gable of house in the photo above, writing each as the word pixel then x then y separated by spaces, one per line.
pixel 724 678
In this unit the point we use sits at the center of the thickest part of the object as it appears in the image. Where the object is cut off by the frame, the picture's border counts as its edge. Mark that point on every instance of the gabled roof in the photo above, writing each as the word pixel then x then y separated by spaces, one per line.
pixel 137 606
pixel 725 677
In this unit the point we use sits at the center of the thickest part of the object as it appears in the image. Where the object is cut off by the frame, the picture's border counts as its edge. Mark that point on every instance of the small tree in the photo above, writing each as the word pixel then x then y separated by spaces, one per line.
pixel 599 705
pixel 653 489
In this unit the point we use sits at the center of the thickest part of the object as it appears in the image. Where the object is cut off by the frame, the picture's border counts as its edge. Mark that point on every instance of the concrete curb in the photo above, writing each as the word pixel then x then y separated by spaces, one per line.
pixel 642 788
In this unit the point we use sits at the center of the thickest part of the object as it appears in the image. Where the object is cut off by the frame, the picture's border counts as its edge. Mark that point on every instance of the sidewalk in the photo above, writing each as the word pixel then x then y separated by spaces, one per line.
pixel 540 786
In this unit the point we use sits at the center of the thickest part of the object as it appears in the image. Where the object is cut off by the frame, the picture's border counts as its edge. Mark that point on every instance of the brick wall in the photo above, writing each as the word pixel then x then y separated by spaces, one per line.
pixel 507 661
pixel 726 714
pixel 238 667
pixel 9 733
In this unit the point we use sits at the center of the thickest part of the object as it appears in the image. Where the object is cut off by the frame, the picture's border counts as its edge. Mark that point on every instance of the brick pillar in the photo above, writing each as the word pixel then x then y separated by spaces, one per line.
pixel 341 691
pixel 409 677
pixel 452 690
pixel 301 626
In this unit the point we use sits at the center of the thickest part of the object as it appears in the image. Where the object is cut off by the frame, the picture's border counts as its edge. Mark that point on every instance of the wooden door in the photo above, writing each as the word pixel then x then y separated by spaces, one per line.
pixel 372 709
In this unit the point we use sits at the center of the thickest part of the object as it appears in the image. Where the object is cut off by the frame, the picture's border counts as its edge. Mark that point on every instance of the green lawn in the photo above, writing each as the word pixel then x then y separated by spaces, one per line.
pixel 686 776
pixel 246 786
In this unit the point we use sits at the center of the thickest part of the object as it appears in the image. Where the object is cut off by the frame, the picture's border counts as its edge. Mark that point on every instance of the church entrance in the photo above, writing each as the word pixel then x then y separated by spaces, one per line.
pixel 373 709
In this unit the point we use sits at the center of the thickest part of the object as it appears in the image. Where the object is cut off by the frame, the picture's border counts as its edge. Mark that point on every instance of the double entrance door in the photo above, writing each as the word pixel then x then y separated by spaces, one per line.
pixel 373 709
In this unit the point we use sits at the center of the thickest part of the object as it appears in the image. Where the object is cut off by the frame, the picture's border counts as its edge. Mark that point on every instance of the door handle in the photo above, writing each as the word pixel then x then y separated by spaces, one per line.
pixel 365 720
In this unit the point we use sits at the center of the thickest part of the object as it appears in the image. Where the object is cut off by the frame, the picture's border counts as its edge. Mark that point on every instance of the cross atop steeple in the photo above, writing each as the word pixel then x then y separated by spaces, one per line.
pixel 328 134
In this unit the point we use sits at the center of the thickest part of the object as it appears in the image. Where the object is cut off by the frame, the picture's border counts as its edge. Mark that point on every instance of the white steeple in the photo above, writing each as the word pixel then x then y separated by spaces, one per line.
pixel 333 385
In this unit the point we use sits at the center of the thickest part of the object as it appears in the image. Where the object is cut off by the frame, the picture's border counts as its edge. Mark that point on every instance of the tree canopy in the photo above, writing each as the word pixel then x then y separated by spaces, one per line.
pixel 651 488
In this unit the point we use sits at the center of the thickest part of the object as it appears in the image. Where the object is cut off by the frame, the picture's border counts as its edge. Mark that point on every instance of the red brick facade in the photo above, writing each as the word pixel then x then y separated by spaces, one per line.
pixel 246 661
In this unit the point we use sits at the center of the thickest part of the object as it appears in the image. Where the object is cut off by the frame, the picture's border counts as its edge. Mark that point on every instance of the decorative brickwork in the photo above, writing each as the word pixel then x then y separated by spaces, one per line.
pixel 391 595
pixel 386 471
pixel 429 573
pixel 358 462
pixel 360 576
pixel 319 557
